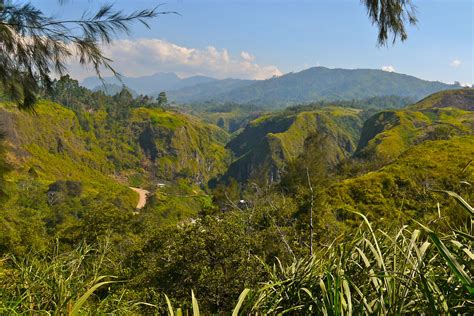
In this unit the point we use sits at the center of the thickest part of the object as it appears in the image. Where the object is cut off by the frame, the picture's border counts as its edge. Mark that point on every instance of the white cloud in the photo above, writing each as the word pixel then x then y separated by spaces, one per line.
pixel 148 56
pixel 388 68
pixel 455 63
pixel 247 56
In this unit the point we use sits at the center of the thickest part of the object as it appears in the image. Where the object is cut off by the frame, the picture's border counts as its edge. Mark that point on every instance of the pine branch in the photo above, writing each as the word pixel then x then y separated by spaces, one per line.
pixel 32 45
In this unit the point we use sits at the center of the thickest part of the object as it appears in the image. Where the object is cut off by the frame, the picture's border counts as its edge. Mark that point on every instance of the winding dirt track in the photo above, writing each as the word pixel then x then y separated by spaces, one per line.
pixel 142 195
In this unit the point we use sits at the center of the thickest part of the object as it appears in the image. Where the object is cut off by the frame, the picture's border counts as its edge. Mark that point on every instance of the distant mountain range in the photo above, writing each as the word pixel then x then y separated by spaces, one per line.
pixel 310 85
pixel 150 85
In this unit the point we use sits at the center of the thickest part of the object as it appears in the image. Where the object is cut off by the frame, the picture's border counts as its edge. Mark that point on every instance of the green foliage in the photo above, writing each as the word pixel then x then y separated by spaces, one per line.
pixel 372 273
pixel 67 184
pixel 60 284
pixel 162 99
pixel 69 168
pixel 399 191
pixel 369 271
pixel 4 168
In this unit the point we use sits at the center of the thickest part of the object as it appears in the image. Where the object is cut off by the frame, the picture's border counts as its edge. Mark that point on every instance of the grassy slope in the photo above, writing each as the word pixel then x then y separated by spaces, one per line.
pixel 56 144
pixel 462 99
pixel 184 144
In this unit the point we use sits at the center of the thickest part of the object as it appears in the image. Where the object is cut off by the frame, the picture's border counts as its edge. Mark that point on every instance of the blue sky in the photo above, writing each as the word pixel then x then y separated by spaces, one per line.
pixel 261 38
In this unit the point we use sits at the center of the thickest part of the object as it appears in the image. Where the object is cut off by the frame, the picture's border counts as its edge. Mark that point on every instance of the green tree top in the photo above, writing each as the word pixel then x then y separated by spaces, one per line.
pixel 162 99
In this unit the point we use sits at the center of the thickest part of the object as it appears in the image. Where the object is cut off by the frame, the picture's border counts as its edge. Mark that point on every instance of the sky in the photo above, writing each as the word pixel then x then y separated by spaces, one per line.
pixel 257 39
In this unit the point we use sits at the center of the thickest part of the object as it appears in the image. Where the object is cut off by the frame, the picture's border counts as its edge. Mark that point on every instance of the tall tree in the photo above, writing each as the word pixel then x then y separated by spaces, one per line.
pixel 162 99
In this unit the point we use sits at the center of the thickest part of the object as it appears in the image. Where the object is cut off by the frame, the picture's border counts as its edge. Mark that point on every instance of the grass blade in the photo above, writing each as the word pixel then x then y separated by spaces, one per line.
pixel 77 306
pixel 459 199
pixel 170 307
pixel 240 301
pixel 195 304
pixel 452 263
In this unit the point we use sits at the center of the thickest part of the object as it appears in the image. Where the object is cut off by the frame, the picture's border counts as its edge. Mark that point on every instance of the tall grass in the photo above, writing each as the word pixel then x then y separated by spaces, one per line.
pixel 58 284
pixel 411 271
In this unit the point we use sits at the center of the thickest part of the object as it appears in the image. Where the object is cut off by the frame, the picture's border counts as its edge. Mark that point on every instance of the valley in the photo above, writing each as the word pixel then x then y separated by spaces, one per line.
pixel 122 141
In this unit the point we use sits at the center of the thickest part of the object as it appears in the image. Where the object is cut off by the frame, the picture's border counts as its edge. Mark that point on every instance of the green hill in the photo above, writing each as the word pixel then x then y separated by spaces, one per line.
pixel 51 145
pixel 399 191
pixel 462 99
pixel 387 134
pixel 269 142
pixel 164 144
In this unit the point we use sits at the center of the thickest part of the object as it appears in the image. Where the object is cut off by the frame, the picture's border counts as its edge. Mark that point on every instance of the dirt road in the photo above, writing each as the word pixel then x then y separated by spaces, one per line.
pixel 142 197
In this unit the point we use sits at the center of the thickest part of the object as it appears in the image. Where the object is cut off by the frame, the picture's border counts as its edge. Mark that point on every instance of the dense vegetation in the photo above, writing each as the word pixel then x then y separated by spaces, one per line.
pixel 67 160
pixel 309 179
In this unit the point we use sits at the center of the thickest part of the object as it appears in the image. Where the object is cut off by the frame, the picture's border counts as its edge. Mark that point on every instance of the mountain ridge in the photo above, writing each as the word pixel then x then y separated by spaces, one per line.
pixel 306 86
pixel 320 83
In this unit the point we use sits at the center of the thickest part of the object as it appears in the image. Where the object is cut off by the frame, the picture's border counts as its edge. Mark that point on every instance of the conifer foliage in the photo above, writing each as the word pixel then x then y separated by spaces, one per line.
pixel 34 45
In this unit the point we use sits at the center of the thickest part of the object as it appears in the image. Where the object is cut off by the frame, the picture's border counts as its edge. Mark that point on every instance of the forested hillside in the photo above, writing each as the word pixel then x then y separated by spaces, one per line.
pixel 60 162
pixel 307 86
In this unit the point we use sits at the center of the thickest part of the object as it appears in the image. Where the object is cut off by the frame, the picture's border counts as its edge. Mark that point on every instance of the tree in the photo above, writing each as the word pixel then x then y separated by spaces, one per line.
pixel 162 99
pixel 32 45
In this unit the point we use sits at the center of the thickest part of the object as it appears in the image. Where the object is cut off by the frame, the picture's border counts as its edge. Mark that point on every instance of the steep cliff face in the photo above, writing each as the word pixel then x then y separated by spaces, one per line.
pixel 268 143
pixel 180 145
pixel 387 134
